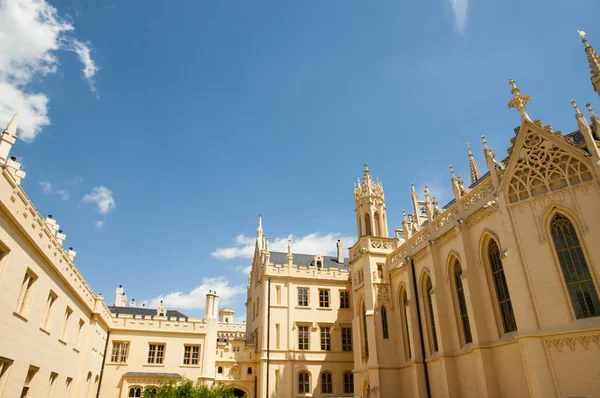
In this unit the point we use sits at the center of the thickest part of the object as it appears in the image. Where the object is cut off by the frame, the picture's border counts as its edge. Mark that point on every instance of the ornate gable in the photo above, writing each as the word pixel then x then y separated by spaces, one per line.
pixel 542 162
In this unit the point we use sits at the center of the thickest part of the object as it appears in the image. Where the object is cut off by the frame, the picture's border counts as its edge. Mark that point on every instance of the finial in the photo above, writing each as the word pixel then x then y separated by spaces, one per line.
pixel 577 111
pixel 435 202
pixel 473 168
pixel 484 141
pixel 469 148
pixel 519 101
pixel 366 166
pixel 460 180
pixel 289 247
pixel 452 171
pixel 403 214
pixel 412 186
pixel 592 114
pixel 11 129
pixel 582 35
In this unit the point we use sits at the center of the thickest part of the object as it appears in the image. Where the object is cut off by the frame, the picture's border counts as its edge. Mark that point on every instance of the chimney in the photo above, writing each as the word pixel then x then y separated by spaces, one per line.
pixel 8 138
pixel 161 311
pixel 60 237
pixel 14 168
pixel 51 223
pixel 71 253
pixel 212 304
pixel 120 297
pixel 340 255
pixel 132 303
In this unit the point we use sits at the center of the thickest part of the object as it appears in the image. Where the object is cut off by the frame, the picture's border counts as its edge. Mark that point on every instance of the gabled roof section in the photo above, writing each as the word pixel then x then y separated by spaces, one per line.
pixel 306 260
pixel 542 161
pixel 142 311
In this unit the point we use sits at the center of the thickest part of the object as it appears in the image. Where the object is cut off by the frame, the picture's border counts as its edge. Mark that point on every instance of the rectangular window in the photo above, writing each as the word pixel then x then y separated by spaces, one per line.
pixel 302 297
pixel 346 339
pixel 26 292
pixel 276 381
pixel 324 298
pixel 26 392
pixel 344 299
pixel 120 349
pixel 52 384
pixel 68 313
pixel 68 384
pixel 191 355
pixel 156 353
pixel 278 294
pixel 303 337
pixel 79 331
pixel 326 339
pixel 5 365
pixel 380 271
pixel 277 330
pixel 49 308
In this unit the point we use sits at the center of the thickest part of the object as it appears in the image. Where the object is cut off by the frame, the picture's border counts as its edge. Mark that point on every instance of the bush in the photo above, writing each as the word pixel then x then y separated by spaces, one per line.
pixel 187 389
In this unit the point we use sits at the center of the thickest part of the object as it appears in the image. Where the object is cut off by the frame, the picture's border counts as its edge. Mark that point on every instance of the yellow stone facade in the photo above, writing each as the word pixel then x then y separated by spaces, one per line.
pixel 493 295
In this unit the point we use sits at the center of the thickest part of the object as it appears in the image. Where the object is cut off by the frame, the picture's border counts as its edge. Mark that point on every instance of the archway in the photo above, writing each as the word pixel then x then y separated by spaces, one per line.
pixel 239 393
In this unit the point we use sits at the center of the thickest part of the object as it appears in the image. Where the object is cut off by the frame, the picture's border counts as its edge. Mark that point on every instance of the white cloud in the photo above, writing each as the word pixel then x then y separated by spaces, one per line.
pixel 197 297
pixel 99 224
pixel 46 186
pixel 47 189
pixel 314 243
pixel 244 269
pixel 31 34
pixel 103 199
pixel 460 8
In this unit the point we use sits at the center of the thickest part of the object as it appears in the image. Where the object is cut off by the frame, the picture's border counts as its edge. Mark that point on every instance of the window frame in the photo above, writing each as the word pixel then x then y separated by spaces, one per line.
pixel 346 338
pixel 348 377
pixel 122 347
pixel 404 302
pixel 5 367
pixel 305 302
pixel 384 322
pixel 29 382
pixel 303 345
pixel 324 298
pixel 432 339
pixel 460 301
pixel 155 355
pixel 326 380
pixel 26 293
pixel 345 299
pixel 190 354
pixel 303 382
pixel 494 272
pixel 325 335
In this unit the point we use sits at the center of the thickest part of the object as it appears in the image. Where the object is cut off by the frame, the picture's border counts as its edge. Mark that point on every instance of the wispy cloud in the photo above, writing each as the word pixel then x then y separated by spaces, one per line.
pixel 102 198
pixel 314 243
pixel 31 35
pixel 196 299
pixel 460 8
pixel 47 189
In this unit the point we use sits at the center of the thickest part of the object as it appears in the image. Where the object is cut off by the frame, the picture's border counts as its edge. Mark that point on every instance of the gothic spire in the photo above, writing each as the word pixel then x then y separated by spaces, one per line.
pixel 475 173
pixel 593 60
pixel 519 100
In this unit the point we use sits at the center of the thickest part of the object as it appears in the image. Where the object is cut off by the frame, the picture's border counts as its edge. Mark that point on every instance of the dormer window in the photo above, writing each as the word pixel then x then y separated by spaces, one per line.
pixel 318 261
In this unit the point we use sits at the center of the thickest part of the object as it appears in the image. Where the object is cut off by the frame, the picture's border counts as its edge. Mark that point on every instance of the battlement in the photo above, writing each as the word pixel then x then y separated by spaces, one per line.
pixel 171 324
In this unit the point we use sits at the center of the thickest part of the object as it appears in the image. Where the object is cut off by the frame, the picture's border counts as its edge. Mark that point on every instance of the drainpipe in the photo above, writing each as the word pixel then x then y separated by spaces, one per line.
pixel 103 361
pixel 268 333
pixel 414 278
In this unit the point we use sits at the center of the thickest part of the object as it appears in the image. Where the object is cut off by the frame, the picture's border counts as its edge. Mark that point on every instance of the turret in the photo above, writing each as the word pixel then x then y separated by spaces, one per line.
pixel 120 297
pixel 226 315
pixel 369 205
pixel 212 304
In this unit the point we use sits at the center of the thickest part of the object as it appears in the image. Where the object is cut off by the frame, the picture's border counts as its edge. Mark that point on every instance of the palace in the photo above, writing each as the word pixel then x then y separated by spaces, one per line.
pixel 495 294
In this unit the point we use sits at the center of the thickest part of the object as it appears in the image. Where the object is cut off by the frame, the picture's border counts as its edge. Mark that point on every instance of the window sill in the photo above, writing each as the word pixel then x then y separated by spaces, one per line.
pixel 301 307
pixel 62 341
pixel 116 364
pixel 76 350
pixel 190 366
pixel 345 309
pixel 20 316
pixel 154 365
pixel 45 331
pixel 325 308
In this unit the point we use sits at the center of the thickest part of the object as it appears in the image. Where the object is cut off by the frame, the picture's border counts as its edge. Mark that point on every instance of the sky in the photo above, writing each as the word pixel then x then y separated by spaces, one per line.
pixel 155 132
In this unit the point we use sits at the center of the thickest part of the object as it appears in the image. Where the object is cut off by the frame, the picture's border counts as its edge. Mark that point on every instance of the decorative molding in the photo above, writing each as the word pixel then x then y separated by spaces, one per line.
pixel 477 195
pixel 421 255
pixel 572 342
pixel 383 295
pixel 446 238
pixel 419 238
pixel 381 244
pixel 480 215
pixel 445 218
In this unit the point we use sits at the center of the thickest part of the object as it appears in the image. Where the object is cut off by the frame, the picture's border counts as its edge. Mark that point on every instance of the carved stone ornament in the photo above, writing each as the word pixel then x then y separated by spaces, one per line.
pixel 573 342
pixel 235 372
pixel 383 294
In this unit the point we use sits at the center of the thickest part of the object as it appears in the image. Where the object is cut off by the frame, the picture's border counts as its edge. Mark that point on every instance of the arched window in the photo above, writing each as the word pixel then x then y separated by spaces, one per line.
pixel 365 337
pixel 580 285
pixel 367 224
pixel 95 390
pixel 326 384
pixel 433 334
pixel 377 225
pixel 384 323
pixel 404 310
pixel 348 382
pixel 220 370
pixel 303 382
pixel 462 303
pixel 88 382
pixel 249 371
pixel 152 390
pixel 502 295
pixel 135 392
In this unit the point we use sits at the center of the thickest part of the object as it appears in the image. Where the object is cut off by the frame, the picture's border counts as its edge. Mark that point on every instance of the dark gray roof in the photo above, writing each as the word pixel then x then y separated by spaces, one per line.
pixel 305 260
pixel 149 374
pixel 578 137
pixel 142 311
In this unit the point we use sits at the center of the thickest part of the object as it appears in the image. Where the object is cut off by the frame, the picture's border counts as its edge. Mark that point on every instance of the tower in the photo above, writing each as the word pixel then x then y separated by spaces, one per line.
pixel 369 205
pixel 226 315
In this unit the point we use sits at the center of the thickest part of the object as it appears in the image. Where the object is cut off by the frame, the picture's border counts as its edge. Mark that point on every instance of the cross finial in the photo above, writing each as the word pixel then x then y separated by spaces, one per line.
pixel 519 100
pixel 366 166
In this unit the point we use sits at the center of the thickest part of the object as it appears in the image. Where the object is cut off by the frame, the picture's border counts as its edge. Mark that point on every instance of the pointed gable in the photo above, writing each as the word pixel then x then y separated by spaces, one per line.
pixel 542 161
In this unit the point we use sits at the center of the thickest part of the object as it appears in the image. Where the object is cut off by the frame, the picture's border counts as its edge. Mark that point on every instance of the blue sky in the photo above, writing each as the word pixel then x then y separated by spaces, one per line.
pixel 155 132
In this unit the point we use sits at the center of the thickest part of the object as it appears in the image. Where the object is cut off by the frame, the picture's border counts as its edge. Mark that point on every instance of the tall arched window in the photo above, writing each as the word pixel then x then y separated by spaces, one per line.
pixel 404 310
pixel 580 285
pixel 368 225
pixel 377 225
pixel 384 323
pixel 365 337
pixel 433 334
pixel 502 295
pixel 462 303
pixel 135 392
pixel 326 383
pixel 303 382
pixel 348 382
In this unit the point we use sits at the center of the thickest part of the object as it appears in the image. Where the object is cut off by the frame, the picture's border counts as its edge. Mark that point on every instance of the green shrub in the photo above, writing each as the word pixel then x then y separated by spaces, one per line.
pixel 187 389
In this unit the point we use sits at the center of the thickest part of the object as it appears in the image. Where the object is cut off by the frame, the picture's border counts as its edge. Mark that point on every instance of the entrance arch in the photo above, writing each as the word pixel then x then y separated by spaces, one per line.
pixel 239 393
